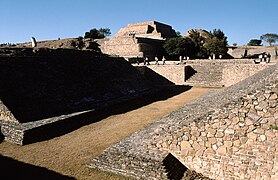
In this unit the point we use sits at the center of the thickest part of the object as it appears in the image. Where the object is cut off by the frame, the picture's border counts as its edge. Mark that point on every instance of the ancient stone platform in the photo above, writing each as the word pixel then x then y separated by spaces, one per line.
pixel 45 91
pixel 229 134
pixel 206 73
pixel 138 40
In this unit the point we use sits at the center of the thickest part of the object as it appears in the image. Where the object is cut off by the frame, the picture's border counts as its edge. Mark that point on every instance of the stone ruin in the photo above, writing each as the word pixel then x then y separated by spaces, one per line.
pixel 229 134
pixel 138 40
pixel 48 92
pixel 207 73
pixel 247 51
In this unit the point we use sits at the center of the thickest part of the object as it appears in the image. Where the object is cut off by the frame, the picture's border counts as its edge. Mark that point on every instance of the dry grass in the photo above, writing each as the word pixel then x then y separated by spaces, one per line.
pixel 68 154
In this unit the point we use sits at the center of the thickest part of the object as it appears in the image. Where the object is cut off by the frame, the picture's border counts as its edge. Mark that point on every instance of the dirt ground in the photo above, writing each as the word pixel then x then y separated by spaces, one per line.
pixel 68 154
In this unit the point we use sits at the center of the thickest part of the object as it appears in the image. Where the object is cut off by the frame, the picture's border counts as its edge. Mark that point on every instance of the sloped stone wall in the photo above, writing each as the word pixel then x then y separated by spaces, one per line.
pixel 238 141
pixel 5 113
pixel 208 74
pixel 232 74
pixel 43 88
pixel 229 134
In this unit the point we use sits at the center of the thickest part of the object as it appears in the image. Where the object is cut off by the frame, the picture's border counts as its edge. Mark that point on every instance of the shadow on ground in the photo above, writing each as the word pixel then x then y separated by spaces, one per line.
pixel 13 169
pixel 59 128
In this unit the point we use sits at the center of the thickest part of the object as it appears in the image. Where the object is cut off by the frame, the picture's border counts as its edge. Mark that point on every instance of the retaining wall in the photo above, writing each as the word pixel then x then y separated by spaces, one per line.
pixel 209 73
pixel 43 86
pixel 229 134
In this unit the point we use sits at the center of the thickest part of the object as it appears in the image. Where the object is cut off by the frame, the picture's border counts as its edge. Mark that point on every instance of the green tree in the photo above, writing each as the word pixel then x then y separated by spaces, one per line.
pixel 180 46
pixel 219 35
pixel 254 42
pixel 270 38
pixel 199 41
pixel 216 44
pixel 98 33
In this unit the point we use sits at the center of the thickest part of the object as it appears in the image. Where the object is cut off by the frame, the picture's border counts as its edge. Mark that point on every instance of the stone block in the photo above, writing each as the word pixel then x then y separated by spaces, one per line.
pixel 221 150
pixel 211 133
pixel 185 145
pixel 273 96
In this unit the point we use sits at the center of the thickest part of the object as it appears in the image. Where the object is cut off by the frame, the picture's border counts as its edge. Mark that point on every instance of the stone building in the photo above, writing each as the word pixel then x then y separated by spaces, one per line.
pixel 138 40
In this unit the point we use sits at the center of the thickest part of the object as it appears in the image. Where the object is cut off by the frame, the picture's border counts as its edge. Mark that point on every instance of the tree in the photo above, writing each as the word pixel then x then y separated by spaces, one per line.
pixel 254 42
pixel 216 44
pixel 199 41
pixel 98 33
pixel 270 38
pixel 219 35
pixel 180 46
pixel 196 38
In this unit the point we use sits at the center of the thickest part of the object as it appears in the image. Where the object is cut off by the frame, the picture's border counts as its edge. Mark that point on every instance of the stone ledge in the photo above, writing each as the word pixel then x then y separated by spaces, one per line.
pixel 30 132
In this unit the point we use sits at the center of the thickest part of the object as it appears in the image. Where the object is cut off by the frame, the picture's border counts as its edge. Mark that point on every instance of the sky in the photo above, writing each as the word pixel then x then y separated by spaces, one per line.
pixel 240 20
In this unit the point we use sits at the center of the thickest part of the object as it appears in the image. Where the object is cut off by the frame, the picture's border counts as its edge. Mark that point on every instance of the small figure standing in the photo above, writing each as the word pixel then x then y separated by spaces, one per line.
pixel 268 57
pixel 261 57
pixel 180 59
pixel 146 61
pixel 156 60
pixel 137 60
pixel 163 60
pixel 34 42
pixel 209 57
pixel 265 56
pixel 220 56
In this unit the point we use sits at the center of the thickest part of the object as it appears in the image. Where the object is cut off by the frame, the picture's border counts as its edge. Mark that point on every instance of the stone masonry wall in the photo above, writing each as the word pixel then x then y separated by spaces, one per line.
pixel 240 141
pixel 228 134
pixel 138 40
pixel 208 74
pixel 121 46
pixel 173 73
pixel 232 74
pixel 43 89
pixel 216 73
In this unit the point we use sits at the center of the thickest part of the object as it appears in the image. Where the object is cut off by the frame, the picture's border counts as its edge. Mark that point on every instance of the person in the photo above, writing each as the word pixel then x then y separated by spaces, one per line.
pixel 209 57
pixel 137 60
pixel 34 42
pixel 268 57
pixel 220 56
pixel 180 59
pixel 163 60
pixel 265 56
pixel 156 60
pixel 146 61
pixel 261 57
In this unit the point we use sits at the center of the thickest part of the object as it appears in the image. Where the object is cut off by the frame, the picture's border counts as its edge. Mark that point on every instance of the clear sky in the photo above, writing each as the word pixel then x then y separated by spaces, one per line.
pixel 240 20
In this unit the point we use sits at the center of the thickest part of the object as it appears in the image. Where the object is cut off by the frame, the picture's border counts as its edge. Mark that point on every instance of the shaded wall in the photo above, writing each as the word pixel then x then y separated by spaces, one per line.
pixel 62 82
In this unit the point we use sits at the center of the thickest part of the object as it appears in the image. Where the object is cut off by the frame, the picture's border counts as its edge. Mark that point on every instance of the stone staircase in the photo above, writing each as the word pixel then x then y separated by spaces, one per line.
pixel 206 76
